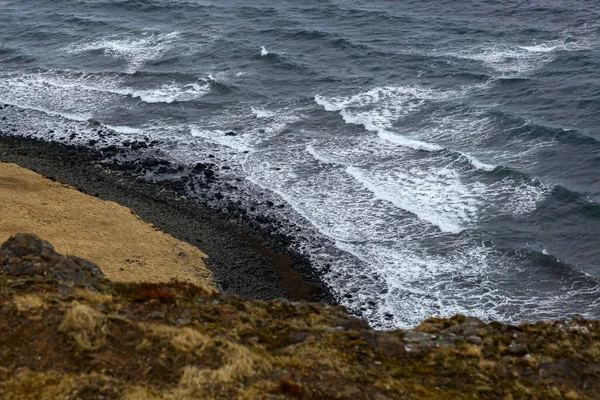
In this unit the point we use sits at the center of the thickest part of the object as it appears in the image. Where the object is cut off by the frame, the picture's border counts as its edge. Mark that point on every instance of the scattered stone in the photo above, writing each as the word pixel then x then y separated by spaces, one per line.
pixel 156 315
pixel 517 349
pixel 475 340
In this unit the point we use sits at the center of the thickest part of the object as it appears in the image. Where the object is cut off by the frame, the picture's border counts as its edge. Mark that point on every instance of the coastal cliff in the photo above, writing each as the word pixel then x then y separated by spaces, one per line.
pixel 75 329
pixel 70 333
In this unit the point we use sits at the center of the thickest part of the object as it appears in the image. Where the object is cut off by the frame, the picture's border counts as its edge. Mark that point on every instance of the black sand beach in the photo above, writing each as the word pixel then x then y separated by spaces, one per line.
pixel 246 259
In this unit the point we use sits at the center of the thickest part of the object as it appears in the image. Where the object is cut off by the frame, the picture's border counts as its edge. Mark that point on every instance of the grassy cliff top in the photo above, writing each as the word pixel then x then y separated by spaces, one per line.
pixel 70 333
pixel 125 247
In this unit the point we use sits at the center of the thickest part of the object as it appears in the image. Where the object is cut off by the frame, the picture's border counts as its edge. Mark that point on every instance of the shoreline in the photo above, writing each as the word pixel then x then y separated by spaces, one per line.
pixel 245 259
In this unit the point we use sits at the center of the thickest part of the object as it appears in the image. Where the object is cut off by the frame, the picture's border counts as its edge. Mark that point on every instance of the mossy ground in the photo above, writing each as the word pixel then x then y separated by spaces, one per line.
pixel 177 341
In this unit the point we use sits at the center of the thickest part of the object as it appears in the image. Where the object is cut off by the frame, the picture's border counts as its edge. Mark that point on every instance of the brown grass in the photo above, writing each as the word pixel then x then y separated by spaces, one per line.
pixel 93 297
pixel 31 305
pixel 86 326
pixel 86 226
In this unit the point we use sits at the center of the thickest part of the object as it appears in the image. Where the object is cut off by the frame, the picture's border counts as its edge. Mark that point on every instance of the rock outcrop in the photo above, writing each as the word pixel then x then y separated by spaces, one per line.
pixel 27 255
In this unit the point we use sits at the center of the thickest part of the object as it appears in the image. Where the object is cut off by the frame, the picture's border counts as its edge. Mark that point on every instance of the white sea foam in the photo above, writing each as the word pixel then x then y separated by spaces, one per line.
pixel 75 84
pixel 436 195
pixel 319 156
pixel 408 142
pixel 379 109
pixel 389 217
pixel 126 130
pixel 42 93
pixel 169 93
pixel 65 115
pixel 263 51
pixel 237 142
pixel 262 113
pixel 137 50
pixel 478 164
pixel 516 60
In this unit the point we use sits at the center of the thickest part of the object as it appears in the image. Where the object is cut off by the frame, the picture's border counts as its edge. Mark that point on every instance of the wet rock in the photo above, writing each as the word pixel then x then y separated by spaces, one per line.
pixel 136 145
pixel 150 162
pixel 199 167
pixel 110 149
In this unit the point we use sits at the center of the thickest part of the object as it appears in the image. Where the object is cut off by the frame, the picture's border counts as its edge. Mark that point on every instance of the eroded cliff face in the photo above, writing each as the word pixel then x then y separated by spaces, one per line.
pixel 68 332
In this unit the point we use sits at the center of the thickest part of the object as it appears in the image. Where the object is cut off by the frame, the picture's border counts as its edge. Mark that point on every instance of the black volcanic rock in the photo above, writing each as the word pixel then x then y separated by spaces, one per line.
pixel 25 254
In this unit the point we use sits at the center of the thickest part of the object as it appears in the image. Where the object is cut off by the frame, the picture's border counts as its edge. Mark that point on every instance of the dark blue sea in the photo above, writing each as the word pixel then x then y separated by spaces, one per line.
pixel 429 157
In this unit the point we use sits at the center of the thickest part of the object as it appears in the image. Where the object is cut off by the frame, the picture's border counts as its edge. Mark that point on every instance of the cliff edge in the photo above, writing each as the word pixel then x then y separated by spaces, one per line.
pixel 70 333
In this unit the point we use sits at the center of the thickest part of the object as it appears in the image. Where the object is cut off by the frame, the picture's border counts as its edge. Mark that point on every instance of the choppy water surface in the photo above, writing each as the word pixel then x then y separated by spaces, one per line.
pixel 431 157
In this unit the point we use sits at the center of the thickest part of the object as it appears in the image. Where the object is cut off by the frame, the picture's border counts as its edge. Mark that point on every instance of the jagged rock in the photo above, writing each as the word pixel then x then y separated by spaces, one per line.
pixel 26 254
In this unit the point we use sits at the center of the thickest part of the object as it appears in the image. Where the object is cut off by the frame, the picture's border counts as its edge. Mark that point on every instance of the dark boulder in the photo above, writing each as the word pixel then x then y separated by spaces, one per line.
pixel 25 254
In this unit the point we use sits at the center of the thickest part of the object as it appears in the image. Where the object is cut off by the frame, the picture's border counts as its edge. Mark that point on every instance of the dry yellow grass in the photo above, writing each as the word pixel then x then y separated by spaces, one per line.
pixel 188 340
pixel 93 297
pixel 31 305
pixel 26 384
pixel 235 359
pixel 86 326
pixel 118 241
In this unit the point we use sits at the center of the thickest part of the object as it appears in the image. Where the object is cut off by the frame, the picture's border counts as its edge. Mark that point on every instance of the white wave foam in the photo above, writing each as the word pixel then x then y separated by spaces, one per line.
pixel 388 222
pixel 126 130
pixel 169 93
pixel 237 142
pixel 478 164
pixel 65 115
pixel 166 93
pixel 421 285
pixel 317 155
pixel 262 113
pixel 438 188
pixel 514 60
pixel 136 50
pixel 53 96
pixel 380 108
pixel 436 195
pixel 263 51
pixel 408 142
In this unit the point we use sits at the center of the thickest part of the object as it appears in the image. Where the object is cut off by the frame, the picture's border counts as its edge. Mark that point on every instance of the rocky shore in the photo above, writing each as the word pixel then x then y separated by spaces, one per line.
pixel 248 257
pixel 70 333
pixel 90 326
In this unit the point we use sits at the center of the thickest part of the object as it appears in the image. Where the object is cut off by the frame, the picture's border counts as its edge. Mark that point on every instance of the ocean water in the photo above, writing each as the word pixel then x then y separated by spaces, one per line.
pixel 430 157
